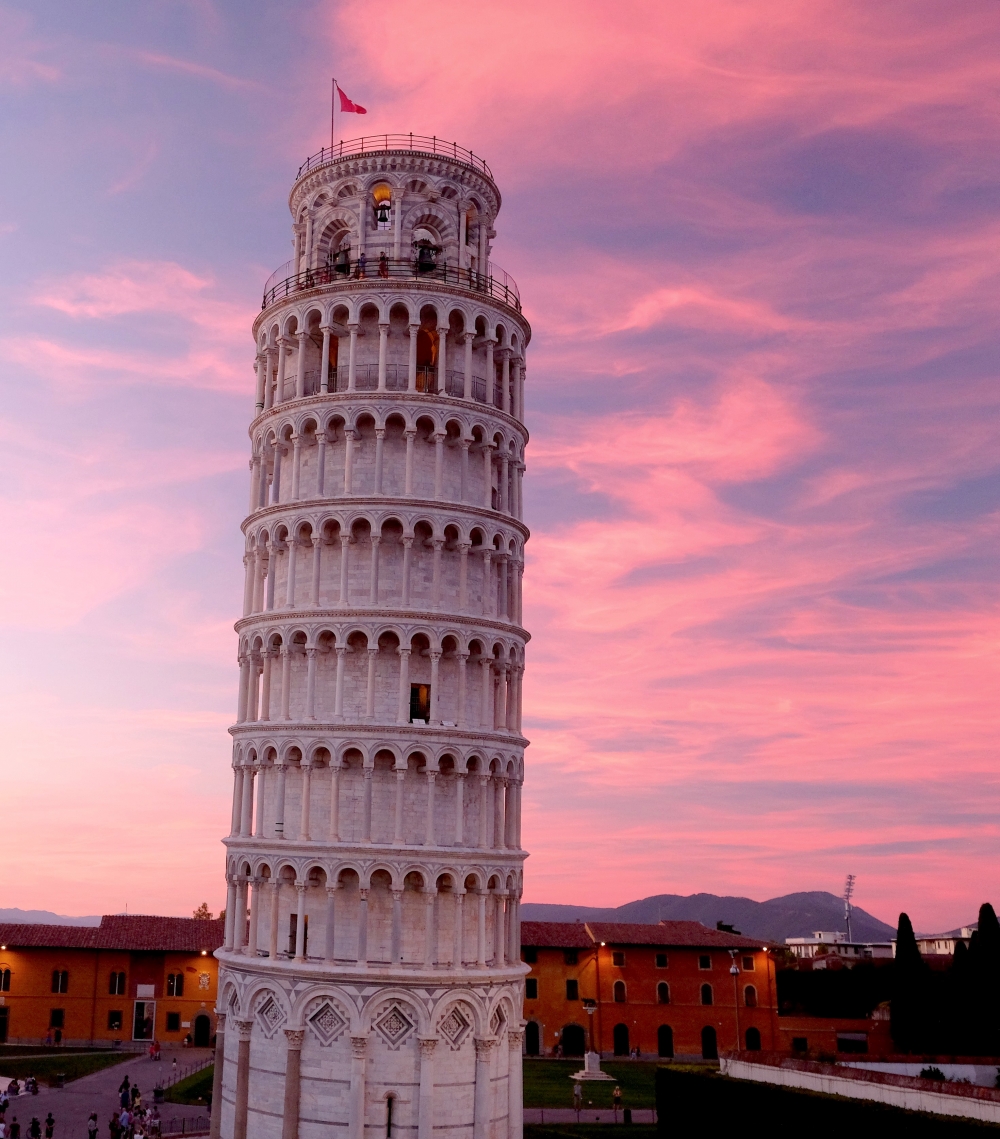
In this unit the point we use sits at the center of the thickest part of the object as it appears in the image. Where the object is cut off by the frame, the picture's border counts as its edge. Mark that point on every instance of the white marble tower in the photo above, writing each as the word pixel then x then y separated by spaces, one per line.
pixel 371 984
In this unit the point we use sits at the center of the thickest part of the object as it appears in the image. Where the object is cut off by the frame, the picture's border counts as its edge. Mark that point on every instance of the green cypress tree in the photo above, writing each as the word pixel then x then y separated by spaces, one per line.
pixel 910 1013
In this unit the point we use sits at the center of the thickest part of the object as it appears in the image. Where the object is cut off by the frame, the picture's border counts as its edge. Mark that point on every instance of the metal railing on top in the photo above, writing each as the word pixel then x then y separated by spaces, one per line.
pixel 422 143
pixel 496 283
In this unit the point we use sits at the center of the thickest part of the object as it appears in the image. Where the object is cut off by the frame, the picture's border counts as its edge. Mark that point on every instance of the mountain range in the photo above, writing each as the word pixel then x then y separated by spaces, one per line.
pixel 44 917
pixel 794 915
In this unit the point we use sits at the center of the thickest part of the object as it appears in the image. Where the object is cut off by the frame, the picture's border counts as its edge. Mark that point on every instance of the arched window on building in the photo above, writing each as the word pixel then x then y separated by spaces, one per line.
pixel 619 992
pixel 709 1043
pixel 532 1038
pixel 665 1041
pixel 620 1036
pixel 389 1103
pixel 663 993
pixel 750 996
pixel 753 1039
pixel 4 980
pixel 706 994
pixel 116 984
pixel 60 981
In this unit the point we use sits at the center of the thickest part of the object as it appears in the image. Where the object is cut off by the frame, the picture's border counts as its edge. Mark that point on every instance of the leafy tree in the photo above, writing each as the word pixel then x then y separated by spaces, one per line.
pixel 203 912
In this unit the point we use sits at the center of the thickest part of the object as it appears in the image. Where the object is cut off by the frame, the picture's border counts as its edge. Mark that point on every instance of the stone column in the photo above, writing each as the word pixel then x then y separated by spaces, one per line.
pixel 317 568
pixel 244 1028
pixel 481 930
pixel 429 833
pixel 278 452
pixel 300 364
pixel 237 799
pixel 331 922
pixel 376 540
pixel 486 707
pixel 345 547
pixel 279 819
pixel 279 377
pixel 251 947
pixel 482 1106
pixel 260 369
pixel 349 438
pixel 268 384
pixel 286 681
pixel 498 819
pixel 338 714
pixel 515 1093
pixel 383 340
pixel 439 438
pixel 463 661
pixel 397 223
pixel 469 337
pixel 352 357
pixel 324 366
pixel 463 575
pixel 442 359
pixel 505 380
pixel 359 1054
pixel 366 822
pixel 403 707
pixel 335 801
pixel 265 685
pixel 370 701
pixel 246 811
pixel 300 921
pixel 488 588
pixel 321 464
pixel 425 1109
pixel 363 927
pixel 430 927
pixel 230 912
pixel 311 683
pixel 272 575
pixel 400 790
pixel 240 916
pixel 293 1065
pixel 396 940
pixel 292 546
pixel 272 941
pixel 491 372
pixel 379 457
pixel 407 562
pixel 488 475
pixel 306 770
pixel 411 378
pixel 215 1127
pixel 458 949
pixel 459 807
pixel 409 435
pixel 484 819
pixel 433 716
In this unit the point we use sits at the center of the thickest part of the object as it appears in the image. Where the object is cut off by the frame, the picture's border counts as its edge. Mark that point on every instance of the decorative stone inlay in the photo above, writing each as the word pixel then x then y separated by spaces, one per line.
pixel 327 1023
pixel 454 1028
pixel 270 1017
pixel 394 1026
pixel 497 1022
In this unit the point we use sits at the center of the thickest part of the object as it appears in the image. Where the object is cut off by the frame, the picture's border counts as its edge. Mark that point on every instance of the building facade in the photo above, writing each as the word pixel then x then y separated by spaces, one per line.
pixel 676 989
pixel 370 976
pixel 132 978
pixel 825 945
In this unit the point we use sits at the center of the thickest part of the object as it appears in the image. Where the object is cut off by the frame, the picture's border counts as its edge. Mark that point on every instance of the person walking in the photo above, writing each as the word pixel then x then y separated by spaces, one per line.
pixel 92 1126
pixel 34 1128
pixel 50 1126
pixel 15 1129
pixel 616 1099
pixel 114 1127
pixel 577 1098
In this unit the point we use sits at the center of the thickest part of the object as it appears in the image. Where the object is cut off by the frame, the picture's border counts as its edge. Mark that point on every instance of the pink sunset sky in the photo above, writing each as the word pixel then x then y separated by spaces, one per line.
pixel 758 246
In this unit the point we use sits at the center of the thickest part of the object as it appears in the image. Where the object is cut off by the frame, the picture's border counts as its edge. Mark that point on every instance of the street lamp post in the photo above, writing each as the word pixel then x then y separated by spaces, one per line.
pixel 590 1007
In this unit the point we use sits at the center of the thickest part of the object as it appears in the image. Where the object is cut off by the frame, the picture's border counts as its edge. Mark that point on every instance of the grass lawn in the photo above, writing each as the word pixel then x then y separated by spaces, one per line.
pixel 192 1089
pixel 45 1066
pixel 547 1083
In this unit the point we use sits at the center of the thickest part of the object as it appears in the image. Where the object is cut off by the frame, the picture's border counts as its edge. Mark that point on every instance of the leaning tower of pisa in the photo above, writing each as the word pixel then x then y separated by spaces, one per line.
pixel 371 978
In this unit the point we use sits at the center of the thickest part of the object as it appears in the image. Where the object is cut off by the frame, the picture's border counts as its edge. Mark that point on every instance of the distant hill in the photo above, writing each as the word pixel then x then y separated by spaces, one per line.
pixel 794 915
pixel 45 917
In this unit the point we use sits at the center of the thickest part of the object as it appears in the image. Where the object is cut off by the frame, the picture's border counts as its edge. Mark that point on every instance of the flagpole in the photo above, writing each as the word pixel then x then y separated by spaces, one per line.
pixel 333 115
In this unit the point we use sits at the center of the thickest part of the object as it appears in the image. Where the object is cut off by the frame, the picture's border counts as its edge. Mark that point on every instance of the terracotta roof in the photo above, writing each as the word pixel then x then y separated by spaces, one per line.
pixel 28 935
pixel 555 935
pixel 668 933
pixel 136 932
pixel 178 935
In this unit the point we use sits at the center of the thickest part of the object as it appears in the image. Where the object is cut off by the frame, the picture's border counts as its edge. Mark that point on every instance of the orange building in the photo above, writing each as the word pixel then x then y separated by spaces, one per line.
pixel 673 989
pixel 130 978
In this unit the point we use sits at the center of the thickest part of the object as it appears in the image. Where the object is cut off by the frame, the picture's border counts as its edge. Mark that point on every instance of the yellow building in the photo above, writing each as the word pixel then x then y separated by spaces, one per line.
pixel 133 978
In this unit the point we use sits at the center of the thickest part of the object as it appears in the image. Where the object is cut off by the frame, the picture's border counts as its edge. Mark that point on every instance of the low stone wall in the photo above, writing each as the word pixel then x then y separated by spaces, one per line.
pixel 855 1083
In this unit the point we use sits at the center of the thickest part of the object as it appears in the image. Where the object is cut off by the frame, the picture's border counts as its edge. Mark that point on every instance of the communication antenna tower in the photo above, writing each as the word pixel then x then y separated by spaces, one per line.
pixel 848 894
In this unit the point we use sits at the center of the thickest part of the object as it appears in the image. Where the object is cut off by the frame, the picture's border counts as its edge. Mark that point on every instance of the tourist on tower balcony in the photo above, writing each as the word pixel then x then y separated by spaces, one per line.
pixel 383 265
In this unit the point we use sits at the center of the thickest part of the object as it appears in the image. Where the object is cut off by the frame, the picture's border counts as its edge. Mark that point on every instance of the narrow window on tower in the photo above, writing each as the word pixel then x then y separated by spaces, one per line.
pixel 420 703
pixel 388 1117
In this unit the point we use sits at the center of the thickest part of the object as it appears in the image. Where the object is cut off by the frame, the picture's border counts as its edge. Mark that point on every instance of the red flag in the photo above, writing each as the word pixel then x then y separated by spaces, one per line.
pixel 347 105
